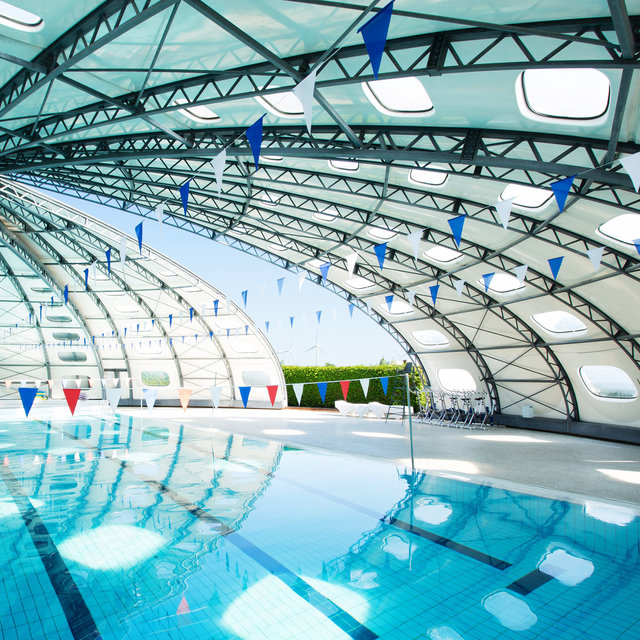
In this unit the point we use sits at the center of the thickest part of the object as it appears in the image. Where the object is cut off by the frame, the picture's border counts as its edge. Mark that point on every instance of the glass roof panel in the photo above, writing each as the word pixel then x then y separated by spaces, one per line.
pixel 559 322
pixel 198 113
pixel 604 381
pixel 503 283
pixel 404 97
pixel 284 104
pixel 340 164
pixel 430 177
pixel 442 254
pixel 430 338
pixel 624 228
pixel 20 19
pixel 527 197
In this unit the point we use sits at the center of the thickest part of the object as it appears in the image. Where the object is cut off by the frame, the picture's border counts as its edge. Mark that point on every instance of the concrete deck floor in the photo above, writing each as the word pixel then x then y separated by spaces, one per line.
pixel 560 466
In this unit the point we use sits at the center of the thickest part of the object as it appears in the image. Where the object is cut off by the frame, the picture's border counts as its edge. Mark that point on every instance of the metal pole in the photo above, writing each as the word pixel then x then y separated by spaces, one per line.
pixel 406 380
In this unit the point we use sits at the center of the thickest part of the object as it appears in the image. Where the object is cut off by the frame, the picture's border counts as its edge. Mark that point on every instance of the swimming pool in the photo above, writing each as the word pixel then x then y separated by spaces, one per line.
pixel 131 528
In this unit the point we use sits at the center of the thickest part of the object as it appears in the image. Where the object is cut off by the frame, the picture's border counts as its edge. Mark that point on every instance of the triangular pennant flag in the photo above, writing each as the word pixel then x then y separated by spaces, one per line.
pixel 216 393
pixel 139 236
pixel 93 266
pixel 50 384
pixel 487 278
pixel 86 286
pixel 218 163
pixel 351 308
pixel 291 319
pixel 280 282
pixel 27 395
pixel 503 208
pixel 298 389
pixel 433 290
pixel 561 190
pixel 318 315
pixel 374 33
pixel 7 383
pixel 324 270
pixel 72 396
pixel 184 395
pixel 244 394
pixel 266 324
pixel 554 265
pixel 244 298
pixel 384 381
pixel 344 385
pixel 414 238
pixel 159 210
pixel 322 390
pixel 351 260
pixel 215 307
pixel 411 297
pixel 123 251
pixel 381 250
pixel 636 242
pixel 456 224
pixel 301 278
pixel 631 165
pixel 304 92
pixel 595 255
pixel 272 390
pixel 521 273
pixel 458 284
pixel 66 293
pixel 183 607
pixel 364 383
pixel 184 195
pixel 113 397
pixel 150 395
pixel 254 136
pixel 389 300
pixel 108 254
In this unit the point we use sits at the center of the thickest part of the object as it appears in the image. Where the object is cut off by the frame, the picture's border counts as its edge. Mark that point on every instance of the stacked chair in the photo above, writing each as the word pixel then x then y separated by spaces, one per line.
pixel 460 409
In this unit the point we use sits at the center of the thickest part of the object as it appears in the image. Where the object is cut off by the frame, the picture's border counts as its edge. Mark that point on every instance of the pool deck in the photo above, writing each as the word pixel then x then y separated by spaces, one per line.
pixel 555 465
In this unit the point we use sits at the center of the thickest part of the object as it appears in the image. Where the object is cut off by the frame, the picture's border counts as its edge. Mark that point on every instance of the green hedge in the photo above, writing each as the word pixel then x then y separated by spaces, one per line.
pixel 396 393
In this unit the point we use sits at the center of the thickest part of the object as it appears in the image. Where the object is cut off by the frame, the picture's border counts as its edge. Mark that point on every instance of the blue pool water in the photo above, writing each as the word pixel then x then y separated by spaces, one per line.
pixel 138 529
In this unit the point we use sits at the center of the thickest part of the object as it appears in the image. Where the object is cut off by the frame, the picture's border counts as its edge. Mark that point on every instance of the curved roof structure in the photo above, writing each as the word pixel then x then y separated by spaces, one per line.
pixel 135 315
pixel 475 104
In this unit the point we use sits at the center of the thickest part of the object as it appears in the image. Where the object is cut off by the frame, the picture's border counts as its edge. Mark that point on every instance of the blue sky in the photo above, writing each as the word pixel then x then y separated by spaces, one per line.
pixel 343 340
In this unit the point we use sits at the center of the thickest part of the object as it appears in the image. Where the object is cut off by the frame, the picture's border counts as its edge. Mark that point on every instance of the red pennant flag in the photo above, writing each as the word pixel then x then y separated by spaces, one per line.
pixel 185 395
pixel 273 390
pixel 183 607
pixel 6 461
pixel 345 388
pixel 72 396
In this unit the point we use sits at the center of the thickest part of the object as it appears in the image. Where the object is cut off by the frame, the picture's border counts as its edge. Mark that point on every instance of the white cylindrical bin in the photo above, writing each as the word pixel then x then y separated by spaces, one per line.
pixel 527 411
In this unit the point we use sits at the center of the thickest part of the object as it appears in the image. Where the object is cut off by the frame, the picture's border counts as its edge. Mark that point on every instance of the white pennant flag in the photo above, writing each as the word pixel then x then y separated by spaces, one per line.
pixel 150 396
pixel 458 284
pixel 631 165
pixel 216 393
pixel 93 269
pixel 304 93
pixel 160 213
pixel 414 238
pixel 504 211
pixel 301 279
pixel 298 389
pixel 411 297
pixel 113 397
pixel 218 164
pixel 365 386
pixel 351 262
pixel 123 250
pixel 595 255
pixel 521 273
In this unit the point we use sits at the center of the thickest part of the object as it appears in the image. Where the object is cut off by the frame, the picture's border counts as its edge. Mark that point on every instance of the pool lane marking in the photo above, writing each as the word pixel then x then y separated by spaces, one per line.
pixel 528 583
pixel 76 611
pixel 317 600
pixel 448 543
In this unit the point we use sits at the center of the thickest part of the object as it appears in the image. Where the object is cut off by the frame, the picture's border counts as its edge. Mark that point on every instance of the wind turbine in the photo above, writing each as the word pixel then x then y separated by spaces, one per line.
pixel 316 347
pixel 286 352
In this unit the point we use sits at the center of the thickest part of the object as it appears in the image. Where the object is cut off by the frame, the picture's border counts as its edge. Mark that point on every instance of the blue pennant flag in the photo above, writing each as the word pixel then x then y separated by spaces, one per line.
pixel 191 314
pixel 246 329
pixel 244 298
pixel 456 225
pixel 385 384
pixel 554 265
pixel 139 234
pixel 389 301
pixel 215 307
pixel 433 289
pixel 291 321
pixel 244 394
pixel 324 270
pixel 170 320
pixel 125 331
pixel 381 250
pixel 374 33
pixel 280 283
pixel 108 254
pixel 254 136
pixel 322 390
pixel 318 315
pixel 184 195
pixel 266 324
pixel 228 332
pixel 210 335
pixel 86 279
pixel 487 278
pixel 351 308
pixel 27 395
pixel 66 293
pixel 636 242
pixel 561 190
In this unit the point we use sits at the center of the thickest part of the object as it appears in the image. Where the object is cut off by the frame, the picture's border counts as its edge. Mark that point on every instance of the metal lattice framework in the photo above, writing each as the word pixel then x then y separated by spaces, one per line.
pixel 99 113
